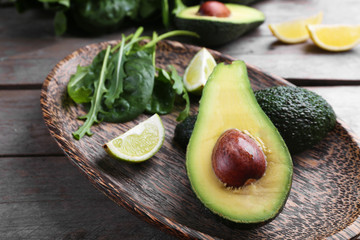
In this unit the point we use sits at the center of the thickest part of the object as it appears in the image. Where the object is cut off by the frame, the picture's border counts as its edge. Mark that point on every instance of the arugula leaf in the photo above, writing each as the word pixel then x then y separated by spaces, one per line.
pixel 165 13
pixel 116 85
pixel 180 89
pixel 92 116
pixel 119 83
pixel 138 86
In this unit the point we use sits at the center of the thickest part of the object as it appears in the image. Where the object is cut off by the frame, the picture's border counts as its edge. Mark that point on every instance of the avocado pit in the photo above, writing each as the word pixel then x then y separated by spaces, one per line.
pixel 237 159
pixel 213 8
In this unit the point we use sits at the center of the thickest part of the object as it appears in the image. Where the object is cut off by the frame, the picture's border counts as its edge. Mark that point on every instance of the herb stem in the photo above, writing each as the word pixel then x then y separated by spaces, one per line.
pixel 170 34
pixel 91 117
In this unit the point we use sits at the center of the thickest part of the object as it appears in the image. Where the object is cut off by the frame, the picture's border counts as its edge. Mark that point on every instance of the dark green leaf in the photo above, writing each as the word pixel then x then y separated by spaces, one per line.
pixel 60 23
pixel 184 113
pixel 96 17
pixel 116 76
pixel 92 116
pixel 137 88
pixel 148 8
pixel 163 96
pixel 165 13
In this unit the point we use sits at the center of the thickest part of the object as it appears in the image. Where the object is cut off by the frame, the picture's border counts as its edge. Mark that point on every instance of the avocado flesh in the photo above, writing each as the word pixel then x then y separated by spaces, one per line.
pixel 215 31
pixel 229 102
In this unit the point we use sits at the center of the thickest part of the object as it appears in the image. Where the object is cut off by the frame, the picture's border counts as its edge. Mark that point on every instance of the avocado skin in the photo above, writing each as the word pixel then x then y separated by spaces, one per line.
pixel 243 2
pixel 215 33
pixel 302 117
pixel 184 130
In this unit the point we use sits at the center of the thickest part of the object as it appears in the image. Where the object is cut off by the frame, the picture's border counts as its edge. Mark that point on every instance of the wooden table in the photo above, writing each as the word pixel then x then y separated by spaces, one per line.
pixel 43 196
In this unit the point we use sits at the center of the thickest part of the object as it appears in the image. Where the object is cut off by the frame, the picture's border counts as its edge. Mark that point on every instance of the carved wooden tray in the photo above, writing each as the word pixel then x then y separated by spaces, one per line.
pixel 325 196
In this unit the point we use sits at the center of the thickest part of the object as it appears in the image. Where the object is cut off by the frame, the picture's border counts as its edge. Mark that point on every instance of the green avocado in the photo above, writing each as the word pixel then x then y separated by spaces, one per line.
pixel 184 130
pixel 215 31
pixel 228 103
pixel 302 117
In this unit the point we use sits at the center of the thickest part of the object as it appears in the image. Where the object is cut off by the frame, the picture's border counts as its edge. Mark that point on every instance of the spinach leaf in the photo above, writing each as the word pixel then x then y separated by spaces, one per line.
pixel 167 86
pixel 137 89
pixel 92 116
pixel 147 8
pixel 119 83
pixel 96 17
pixel 60 23
pixel 163 96
pixel 80 86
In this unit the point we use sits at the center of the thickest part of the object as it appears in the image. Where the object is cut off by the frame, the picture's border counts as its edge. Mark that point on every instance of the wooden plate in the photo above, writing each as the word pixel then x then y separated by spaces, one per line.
pixel 324 200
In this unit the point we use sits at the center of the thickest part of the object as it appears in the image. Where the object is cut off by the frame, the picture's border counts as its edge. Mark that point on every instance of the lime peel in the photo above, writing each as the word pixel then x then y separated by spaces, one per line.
pixel 198 71
pixel 140 142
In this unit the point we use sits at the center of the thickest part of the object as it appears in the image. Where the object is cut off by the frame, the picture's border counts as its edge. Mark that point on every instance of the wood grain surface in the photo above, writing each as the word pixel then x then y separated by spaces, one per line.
pixel 42 196
pixel 322 201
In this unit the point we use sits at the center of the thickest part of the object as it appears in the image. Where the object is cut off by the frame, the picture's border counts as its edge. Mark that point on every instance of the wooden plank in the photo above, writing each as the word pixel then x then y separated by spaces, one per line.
pixel 304 60
pixel 48 198
pixel 22 128
pixel 21 62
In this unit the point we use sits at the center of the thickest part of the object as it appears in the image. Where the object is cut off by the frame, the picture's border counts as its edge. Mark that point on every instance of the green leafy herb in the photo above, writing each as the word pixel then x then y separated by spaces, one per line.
pixel 98 17
pixel 163 96
pixel 60 23
pixel 119 83
pixel 92 116
pixel 138 87
pixel 180 90
pixel 165 13
pixel 167 86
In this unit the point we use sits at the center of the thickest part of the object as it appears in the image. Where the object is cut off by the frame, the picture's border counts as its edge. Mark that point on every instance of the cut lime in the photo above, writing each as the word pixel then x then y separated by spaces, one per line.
pixel 198 71
pixel 139 143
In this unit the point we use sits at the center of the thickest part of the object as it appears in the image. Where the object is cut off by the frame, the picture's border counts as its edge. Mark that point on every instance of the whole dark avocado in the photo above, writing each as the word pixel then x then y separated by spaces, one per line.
pixel 219 23
pixel 184 130
pixel 302 117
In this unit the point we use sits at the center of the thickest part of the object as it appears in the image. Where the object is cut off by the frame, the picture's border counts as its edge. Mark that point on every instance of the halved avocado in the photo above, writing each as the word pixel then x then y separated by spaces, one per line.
pixel 215 31
pixel 228 102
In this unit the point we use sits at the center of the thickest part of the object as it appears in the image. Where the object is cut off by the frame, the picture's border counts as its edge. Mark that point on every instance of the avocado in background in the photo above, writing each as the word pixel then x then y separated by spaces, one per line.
pixel 242 2
pixel 302 117
pixel 228 103
pixel 216 31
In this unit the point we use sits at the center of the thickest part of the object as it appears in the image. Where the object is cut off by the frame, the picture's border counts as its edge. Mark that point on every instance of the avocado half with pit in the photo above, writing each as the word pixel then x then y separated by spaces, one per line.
pixel 231 124
pixel 215 31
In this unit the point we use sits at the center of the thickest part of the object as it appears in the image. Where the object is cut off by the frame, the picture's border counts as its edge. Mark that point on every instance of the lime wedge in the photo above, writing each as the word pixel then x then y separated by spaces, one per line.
pixel 198 71
pixel 140 142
